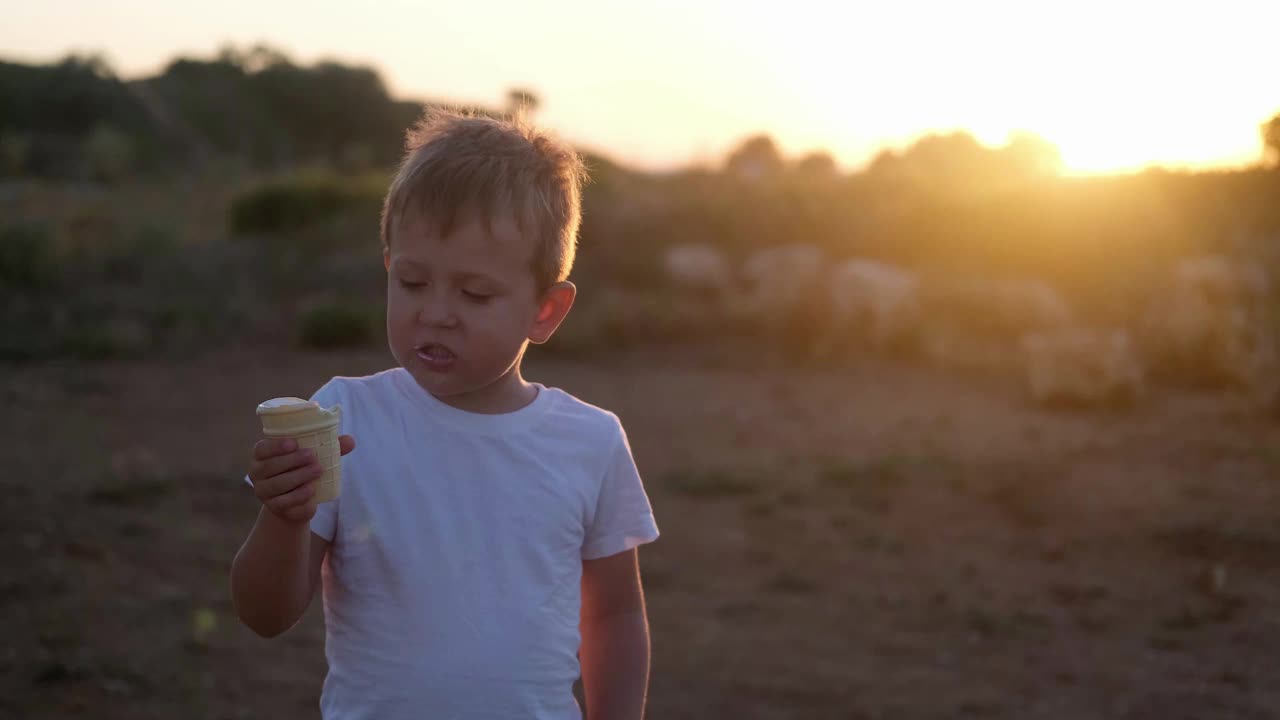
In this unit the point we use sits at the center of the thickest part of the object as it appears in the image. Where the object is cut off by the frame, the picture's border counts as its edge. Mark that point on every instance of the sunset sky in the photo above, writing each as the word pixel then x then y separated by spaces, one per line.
pixel 1116 85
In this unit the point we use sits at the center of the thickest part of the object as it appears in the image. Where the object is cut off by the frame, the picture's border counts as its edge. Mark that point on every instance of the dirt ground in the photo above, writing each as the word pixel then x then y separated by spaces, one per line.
pixel 864 542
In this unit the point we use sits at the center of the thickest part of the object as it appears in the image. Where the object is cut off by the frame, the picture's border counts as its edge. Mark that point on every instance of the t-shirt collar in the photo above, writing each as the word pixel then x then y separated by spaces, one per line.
pixel 480 423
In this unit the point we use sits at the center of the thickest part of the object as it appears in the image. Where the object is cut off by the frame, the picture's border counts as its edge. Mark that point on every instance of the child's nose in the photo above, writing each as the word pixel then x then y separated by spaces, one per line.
pixel 438 313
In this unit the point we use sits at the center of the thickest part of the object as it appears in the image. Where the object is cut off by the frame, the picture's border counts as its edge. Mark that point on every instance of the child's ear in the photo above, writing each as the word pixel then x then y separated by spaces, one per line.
pixel 552 309
pixel 386 259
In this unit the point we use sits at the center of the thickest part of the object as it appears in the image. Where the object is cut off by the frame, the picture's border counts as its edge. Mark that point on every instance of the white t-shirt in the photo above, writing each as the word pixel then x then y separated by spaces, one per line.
pixel 452 585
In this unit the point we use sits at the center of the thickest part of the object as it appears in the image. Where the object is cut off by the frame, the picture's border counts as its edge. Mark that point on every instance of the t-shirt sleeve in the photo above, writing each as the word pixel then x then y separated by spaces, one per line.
pixel 623 518
pixel 325 522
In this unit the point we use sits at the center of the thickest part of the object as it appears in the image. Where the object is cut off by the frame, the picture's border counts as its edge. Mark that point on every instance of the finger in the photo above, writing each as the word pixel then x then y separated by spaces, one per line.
pixel 346 444
pixel 282 484
pixel 270 447
pixel 297 497
pixel 281 464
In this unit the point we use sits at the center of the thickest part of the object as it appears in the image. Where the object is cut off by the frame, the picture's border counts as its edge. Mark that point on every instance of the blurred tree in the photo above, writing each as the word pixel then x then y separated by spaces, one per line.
pixel 756 158
pixel 950 155
pixel 885 163
pixel 356 157
pixel 259 105
pixel 1271 140
pixel 254 59
pixel 215 98
pixel 1028 155
pixel 955 165
pixel 817 165
pixel 522 102
pixel 72 96
pixel 250 106
pixel 54 108
pixel 93 63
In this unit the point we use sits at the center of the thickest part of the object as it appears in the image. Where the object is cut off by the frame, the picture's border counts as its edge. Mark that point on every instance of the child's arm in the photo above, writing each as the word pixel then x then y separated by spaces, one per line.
pixel 277 571
pixel 615 638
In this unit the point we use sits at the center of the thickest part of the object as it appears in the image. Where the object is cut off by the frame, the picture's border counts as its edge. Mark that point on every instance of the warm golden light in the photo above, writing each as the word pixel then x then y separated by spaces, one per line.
pixel 1117 86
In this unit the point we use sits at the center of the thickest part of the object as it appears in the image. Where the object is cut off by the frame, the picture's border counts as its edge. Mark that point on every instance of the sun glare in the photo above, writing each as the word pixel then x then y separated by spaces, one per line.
pixel 1116 86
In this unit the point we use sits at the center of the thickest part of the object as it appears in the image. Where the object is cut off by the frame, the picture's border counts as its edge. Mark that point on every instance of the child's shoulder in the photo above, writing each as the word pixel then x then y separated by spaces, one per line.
pixel 345 387
pixel 572 410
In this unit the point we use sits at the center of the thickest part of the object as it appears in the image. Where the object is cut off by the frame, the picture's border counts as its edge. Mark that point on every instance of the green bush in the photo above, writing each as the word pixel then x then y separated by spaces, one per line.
pixel 148 295
pixel 150 254
pixel 92 327
pixel 117 339
pixel 109 154
pixel 28 258
pixel 304 201
pixel 183 323
pixel 712 483
pixel 14 151
pixel 29 328
pixel 338 324
pixel 38 329
pixel 619 320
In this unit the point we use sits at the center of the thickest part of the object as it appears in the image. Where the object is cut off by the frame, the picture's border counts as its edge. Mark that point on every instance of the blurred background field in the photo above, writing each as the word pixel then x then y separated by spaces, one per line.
pixel 138 215
pixel 956 432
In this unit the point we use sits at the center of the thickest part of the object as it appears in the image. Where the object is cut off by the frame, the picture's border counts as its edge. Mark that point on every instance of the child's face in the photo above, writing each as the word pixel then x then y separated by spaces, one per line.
pixel 460 309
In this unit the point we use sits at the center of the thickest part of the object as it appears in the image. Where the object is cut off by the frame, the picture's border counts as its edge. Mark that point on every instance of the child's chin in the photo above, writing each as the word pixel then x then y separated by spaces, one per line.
pixel 445 387
pixel 436 384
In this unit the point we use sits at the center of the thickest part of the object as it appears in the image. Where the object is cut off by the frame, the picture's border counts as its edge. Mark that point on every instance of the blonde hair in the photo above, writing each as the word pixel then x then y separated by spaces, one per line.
pixel 459 166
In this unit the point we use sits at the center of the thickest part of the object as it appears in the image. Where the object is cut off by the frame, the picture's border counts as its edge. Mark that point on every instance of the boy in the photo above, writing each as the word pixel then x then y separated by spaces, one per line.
pixel 485 538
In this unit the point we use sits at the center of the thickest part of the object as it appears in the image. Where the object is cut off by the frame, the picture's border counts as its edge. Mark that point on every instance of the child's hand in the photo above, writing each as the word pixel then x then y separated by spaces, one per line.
pixel 284 477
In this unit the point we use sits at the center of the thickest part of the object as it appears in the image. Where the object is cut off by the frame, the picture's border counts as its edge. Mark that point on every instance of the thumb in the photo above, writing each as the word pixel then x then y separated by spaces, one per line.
pixel 346 444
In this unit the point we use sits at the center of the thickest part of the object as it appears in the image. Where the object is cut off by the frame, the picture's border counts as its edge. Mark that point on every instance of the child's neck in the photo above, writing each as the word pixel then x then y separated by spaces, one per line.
pixel 507 394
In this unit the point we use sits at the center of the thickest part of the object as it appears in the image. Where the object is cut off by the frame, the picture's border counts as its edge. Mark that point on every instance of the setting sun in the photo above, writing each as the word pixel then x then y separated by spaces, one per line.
pixel 1115 86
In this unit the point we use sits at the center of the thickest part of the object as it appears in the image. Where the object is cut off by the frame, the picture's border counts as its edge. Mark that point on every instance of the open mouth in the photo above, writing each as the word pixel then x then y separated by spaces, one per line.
pixel 436 356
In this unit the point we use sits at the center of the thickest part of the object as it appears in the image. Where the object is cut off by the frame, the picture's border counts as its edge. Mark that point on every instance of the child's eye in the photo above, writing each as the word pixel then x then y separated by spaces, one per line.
pixel 477 296
pixel 411 285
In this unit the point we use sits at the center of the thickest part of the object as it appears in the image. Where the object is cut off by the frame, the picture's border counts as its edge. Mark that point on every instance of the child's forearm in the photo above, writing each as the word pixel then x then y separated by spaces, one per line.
pixel 270 583
pixel 615 666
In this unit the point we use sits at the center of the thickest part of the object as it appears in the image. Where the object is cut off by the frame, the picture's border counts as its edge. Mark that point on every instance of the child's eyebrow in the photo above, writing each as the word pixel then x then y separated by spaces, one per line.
pixel 411 264
pixel 466 275
pixel 461 275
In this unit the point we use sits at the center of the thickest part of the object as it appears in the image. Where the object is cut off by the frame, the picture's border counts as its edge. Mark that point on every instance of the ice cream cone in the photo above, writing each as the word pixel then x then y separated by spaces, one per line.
pixel 312 427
